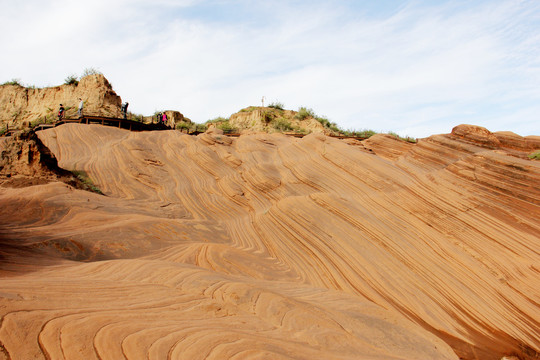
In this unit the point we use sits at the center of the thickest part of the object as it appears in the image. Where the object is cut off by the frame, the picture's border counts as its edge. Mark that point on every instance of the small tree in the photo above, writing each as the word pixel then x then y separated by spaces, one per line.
pixel 71 80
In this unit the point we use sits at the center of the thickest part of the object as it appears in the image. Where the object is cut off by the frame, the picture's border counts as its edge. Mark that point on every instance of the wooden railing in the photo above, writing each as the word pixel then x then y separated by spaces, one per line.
pixel 139 126
pixel 107 121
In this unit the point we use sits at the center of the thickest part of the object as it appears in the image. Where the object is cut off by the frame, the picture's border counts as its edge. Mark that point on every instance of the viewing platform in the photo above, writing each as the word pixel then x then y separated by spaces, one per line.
pixel 131 125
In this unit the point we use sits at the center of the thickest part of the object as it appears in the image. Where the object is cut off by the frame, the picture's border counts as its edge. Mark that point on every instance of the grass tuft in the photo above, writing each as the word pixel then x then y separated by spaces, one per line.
pixel 406 138
pixel 90 71
pixel 282 124
pixel 535 155
pixel 87 182
pixel 249 108
pixel 277 105
pixel 13 82
pixel 304 113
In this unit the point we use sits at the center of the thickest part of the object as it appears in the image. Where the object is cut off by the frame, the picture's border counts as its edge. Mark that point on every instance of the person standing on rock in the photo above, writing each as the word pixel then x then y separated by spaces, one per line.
pixel 61 112
pixel 164 119
pixel 124 109
pixel 81 105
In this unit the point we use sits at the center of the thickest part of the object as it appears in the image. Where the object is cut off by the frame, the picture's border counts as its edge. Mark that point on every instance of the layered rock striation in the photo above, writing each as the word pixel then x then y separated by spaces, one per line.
pixel 268 246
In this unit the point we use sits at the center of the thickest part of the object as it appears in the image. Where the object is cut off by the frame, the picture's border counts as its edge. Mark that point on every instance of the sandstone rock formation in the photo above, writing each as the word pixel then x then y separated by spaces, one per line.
pixel 502 139
pixel 268 246
pixel 267 119
pixel 25 161
pixel 20 104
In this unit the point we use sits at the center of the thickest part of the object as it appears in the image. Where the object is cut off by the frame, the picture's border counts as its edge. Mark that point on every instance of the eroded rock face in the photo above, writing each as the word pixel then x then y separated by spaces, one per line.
pixel 25 161
pixel 265 119
pixel 19 104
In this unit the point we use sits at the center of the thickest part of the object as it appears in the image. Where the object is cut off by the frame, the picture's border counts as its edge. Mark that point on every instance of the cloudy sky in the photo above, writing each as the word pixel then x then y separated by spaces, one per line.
pixel 416 67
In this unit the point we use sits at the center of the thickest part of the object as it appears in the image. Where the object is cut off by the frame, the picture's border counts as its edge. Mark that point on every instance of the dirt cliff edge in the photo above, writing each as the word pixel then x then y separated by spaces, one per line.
pixel 19 104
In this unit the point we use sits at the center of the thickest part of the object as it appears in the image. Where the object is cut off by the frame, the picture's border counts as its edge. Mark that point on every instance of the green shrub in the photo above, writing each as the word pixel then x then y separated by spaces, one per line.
pixel 201 127
pixel 135 117
pixel 221 123
pixel 182 125
pixel 216 120
pixel 13 82
pixel 71 80
pixel 323 120
pixel 406 138
pixel 535 155
pixel 282 124
pixel 277 105
pixel 267 116
pixel 335 128
pixel 358 133
pixel 249 108
pixel 304 113
pixel 85 179
pixel 226 126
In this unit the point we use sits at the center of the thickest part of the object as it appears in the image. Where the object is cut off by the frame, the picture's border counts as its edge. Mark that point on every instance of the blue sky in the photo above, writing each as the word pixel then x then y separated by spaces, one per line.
pixel 414 67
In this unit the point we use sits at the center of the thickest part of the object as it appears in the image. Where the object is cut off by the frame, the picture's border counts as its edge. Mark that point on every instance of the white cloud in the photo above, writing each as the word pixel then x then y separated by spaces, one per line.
pixel 416 70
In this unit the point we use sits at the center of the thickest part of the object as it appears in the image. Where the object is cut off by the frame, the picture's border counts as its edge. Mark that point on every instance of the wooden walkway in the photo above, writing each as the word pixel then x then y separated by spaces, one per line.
pixel 107 121
pixel 139 126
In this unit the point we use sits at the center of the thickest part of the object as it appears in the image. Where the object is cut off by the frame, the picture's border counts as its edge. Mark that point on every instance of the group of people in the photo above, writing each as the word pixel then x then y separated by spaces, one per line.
pixel 160 117
pixel 62 110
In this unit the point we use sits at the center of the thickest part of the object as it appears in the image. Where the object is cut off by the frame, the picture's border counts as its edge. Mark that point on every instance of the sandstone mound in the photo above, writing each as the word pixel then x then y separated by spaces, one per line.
pixel 266 119
pixel 19 104
pixel 267 246
pixel 502 139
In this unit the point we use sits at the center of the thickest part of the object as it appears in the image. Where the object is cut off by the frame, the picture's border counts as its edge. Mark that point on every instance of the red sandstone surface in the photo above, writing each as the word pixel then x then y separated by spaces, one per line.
pixel 269 247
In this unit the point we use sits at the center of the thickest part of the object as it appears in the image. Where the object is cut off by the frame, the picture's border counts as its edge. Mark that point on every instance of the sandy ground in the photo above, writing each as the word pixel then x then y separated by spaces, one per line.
pixel 271 247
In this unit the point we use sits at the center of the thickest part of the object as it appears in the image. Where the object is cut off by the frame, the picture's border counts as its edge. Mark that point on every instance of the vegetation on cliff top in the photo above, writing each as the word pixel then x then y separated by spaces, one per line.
pixel 274 117
pixel 276 121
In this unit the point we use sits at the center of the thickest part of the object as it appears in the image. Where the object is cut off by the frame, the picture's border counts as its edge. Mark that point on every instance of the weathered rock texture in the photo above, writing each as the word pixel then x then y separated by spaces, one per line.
pixel 267 246
pixel 268 120
pixel 19 104
pixel 25 161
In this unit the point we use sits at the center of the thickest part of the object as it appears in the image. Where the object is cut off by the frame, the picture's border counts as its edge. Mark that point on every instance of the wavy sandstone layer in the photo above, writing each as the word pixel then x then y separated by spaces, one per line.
pixel 272 247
